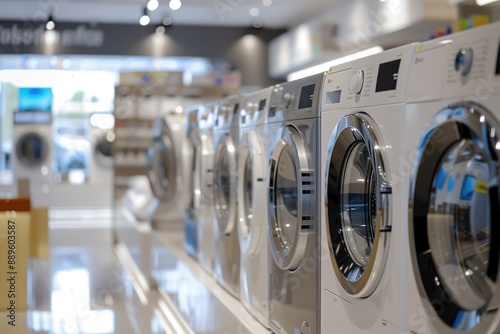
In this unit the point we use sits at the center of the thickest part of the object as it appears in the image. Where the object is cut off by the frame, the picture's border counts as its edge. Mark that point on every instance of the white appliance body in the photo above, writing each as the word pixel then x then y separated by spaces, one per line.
pixel 227 251
pixel 452 150
pixel 362 131
pixel 293 207
pixel 252 204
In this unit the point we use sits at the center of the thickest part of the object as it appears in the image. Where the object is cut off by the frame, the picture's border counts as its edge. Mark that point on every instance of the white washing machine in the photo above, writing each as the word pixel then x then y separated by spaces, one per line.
pixel 293 205
pixel 362 132
pixel 164 158
pixel 227 251
pixel 33 154
pixel 206 237
pixel 252 204
pixel 453 146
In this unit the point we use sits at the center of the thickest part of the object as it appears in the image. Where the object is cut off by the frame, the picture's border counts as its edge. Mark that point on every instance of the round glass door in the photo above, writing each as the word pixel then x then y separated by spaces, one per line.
pixel 290 208
pixel 103 154
pixel 225 185
pixel 250 195
pixel 454 214
pixel 162 160
pixel 31 149
pixel 358 191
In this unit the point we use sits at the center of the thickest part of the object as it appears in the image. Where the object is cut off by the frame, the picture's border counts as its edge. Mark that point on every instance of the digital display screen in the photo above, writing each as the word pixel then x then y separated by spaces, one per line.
pixel 236 108
pixel 497 71
pixel 306 96
pixel 262 104
pixel 387 78
pixel 35 99
pixel 333 97
pixel 32 117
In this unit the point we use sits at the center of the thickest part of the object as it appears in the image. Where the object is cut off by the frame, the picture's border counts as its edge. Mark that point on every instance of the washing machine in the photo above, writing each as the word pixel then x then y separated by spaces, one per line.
pixel 191 183
pixel 452 144
pixel 206 228
pixel 33 153
pixel 101 139
pixel 225 171
pixel 164 159
pixel 293 206
pixel 362 133
pixel 252 204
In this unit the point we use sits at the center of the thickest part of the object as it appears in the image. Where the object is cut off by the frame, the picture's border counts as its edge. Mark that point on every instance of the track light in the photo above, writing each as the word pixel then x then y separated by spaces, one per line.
pixel 153 4
pixel 50 25
pixel 166 22
pixel 144 20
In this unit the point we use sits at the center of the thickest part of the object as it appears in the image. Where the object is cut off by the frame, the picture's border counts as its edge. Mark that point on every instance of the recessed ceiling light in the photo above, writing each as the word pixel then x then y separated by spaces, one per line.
pixel 257 23
pixel 267 3
pixel 484 2
pixel 167 21
pixel 153 4
pixel 254 11
pixel 175 4
pixel 160 30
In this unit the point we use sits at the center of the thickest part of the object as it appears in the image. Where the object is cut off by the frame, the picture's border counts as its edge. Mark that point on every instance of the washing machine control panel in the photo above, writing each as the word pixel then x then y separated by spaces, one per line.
pixel 370 81
pixel 299 97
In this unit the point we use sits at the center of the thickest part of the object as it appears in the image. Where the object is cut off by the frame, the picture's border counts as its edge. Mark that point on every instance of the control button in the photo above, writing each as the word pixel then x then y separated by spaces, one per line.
pixel 356 83
pixel 204 116
pixel 464 60
pixel 286 99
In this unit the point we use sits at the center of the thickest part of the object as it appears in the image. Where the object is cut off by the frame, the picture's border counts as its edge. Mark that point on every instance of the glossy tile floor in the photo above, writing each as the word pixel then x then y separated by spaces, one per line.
pixel 92 283
pixel 78 289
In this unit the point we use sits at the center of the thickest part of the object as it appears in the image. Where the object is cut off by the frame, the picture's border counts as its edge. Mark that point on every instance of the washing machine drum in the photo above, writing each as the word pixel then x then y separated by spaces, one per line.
pixel 32 149
pixel 358 200
pixel 454 217
pixel 163 164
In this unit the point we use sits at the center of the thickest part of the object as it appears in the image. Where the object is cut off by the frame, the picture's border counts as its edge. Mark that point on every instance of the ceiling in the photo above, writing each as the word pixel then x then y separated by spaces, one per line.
pixel 280 14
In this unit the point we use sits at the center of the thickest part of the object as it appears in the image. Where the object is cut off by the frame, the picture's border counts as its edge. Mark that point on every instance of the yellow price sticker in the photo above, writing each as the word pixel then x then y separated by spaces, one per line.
pixel 481 187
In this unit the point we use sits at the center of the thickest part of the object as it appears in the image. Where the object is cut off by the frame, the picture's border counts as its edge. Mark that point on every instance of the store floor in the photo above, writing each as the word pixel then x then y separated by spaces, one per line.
pixel 89 284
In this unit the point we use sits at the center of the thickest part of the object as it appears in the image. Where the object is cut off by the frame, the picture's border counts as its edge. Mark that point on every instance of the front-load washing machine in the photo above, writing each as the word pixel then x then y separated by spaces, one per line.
pixel 206 241
pixel 252 204
pixel 191 183
pixel 227 251
pixel 362 132
pixel 33 153
pixel 453 143
pixel 164 159
pixel 293 212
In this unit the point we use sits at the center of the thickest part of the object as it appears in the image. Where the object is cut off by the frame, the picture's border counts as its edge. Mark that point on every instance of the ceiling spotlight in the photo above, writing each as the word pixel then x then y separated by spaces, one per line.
pixel 254 11
pixel 50 25
pixel 144 20
pixel 257 23
pixel 153 4
pixel 160 30
pixel 175 4
pixel 167 21
pixel 267 3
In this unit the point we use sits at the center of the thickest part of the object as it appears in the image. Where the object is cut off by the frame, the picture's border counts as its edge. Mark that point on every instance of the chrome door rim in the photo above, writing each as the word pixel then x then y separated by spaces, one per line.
pixel 250 149
pixel 226 226
pixel 352 129
pixel 162 156
pixel 289 259
pixel 448 128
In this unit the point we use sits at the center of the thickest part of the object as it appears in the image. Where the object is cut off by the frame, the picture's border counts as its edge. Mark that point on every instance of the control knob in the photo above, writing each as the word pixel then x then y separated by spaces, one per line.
pixel 357 80
pixel 286 99
pixel 464 60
